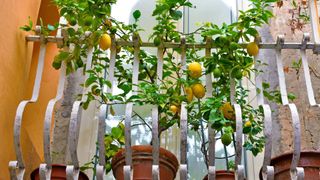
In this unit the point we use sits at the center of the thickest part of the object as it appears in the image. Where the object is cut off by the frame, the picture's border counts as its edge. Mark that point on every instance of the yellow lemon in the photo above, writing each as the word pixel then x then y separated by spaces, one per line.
pixel 174 109
pixel 247 124
pixel 195 69
pixel 227 111
pixel 105 42
pixel 198 90
pixel 189 94
pixel 252 49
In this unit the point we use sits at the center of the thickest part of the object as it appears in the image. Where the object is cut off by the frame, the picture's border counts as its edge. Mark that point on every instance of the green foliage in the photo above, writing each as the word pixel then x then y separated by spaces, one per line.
pixel 229 62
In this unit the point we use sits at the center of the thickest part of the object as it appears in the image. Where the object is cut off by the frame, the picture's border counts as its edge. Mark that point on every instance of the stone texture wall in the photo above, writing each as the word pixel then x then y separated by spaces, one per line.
pixel 309 117
pixel 62 116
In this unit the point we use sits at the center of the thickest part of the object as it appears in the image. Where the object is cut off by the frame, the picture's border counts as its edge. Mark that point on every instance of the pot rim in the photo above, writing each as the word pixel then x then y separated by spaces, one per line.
pixel 35 171
pixel 284 155
pixel 145 152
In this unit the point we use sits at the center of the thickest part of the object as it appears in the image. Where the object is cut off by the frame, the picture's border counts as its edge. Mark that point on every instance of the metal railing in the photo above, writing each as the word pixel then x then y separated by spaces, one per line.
pixel 17 167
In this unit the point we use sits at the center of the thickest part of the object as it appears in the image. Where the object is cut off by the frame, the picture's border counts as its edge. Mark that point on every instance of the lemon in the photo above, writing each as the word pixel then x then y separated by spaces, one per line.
pixel 195 69
pixel 226 139
pixel 157 41
pixel 88 21
pixel 174 109
pixel 227 111
pixel 72 21
pixel 252 49
pixel 217 73
pixel 247 124
pixel 189 94
pixel 105 42
pixel 198 90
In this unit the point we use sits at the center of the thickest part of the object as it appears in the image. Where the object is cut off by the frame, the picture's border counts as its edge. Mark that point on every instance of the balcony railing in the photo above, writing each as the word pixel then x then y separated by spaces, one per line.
pixel 17 167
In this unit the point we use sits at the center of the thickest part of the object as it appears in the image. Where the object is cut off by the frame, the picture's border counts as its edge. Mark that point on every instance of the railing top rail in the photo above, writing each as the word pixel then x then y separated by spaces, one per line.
pixel 270 45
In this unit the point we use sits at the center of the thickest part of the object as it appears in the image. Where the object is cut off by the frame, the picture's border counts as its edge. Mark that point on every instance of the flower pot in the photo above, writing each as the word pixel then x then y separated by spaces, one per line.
pixel 309 160
pixel 142 163
pixel 223 175
pixel 58 173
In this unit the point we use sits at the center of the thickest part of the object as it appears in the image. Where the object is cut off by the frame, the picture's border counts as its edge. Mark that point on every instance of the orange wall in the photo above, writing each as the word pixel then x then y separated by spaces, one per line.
pixel 17 72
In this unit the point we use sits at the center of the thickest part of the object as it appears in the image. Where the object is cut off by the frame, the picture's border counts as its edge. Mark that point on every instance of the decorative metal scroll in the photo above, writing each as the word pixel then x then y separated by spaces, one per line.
pixel 74 128
pixel 103 111
pixel 128 152
pixel 295 171
pixel 46 168
pixel 267 170
pixel 17 168
pixel 183 121
pixel 211 132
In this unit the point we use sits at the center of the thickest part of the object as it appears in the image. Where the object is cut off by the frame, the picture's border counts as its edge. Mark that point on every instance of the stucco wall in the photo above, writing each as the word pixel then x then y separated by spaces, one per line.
pixel 17 72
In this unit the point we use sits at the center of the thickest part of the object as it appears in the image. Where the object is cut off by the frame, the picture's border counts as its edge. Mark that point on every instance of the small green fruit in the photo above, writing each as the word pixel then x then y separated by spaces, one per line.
pixel 217 73
pixel 156 41
pixel 88 21
pixel 226 139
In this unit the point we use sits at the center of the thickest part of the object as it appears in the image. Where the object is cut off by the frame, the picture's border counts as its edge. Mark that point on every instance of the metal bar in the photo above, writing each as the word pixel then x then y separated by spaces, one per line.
pixel 282 81
pixel 183 121
pixel 129 106
pixel 155 119
pixel 73 170
pixel 314 16
pixel 273 45
pixel 295 171
pixel 17 168
pixel 306 72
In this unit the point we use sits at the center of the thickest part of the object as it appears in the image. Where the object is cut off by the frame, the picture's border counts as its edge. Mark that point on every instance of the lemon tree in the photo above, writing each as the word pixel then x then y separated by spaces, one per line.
pixel 90 25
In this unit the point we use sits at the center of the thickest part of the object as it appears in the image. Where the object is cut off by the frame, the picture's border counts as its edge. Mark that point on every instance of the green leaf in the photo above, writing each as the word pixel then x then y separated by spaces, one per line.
pixel 116 132
pixel 90 81
pixel 176 14
pixel 136 14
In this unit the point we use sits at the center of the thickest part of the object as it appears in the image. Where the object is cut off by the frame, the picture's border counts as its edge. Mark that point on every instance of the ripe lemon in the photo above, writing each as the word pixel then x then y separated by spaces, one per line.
pixel 226 139
pixel 247 124
pixel 174 109
pixel 252 49
pixel 105 42
pixel 198 90
pixel 227 111
pixel 189 94
pixel 195 69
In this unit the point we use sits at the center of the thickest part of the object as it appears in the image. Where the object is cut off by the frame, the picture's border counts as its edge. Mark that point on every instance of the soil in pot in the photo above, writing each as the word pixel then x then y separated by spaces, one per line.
pixel 142 163
pixel 223 175
pixel 58 173
pixel 309 160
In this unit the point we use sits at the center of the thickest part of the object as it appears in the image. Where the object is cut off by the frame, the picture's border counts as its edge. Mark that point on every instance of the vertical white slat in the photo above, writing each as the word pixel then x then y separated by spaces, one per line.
pixel 129 106
pixel 17 168
pixel 306 71
pixel 72 170
pixel 103 111
pixel 295 171
pixel 267 170
pixel 45 168
pixel 313 8
pixel 282 81
pixel 183 121
pixel 211 132
pixel 155 119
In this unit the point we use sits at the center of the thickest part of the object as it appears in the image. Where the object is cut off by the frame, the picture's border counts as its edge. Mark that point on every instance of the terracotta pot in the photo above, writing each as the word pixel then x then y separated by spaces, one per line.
pixel 309 160
pixel 142 163
pixel 58 173
pixel 223 175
